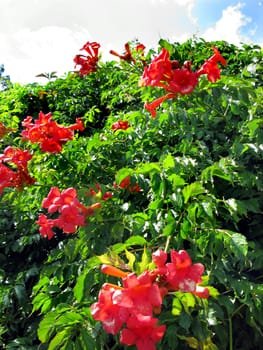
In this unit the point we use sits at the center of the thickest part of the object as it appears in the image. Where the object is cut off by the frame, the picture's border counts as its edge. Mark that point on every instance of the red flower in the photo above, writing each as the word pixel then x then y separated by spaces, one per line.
pixel 6 177
pixel 151 107
pixel 159 72
pixel 70 218
pixel 46 226
pixel 164 73
pixel 16 156
pixel 180 273
pixel 183 81
pixel 140 294
pixel 110 314
pixel 126 183
pixel 211 68
pixel 140 48
pixel 88 63
pixel 98 194
pixel 20 176
pixel 142 331
pixel 120 125
pixel 71 212
pixel 127 56
pixel 48 133
pixel 4 130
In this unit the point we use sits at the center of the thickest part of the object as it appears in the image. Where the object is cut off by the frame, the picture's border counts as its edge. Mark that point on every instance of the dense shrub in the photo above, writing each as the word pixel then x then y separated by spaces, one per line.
pixel 195 183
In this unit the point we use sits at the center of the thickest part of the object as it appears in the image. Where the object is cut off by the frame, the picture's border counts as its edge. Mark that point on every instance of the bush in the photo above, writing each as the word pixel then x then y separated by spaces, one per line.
pixel 190 179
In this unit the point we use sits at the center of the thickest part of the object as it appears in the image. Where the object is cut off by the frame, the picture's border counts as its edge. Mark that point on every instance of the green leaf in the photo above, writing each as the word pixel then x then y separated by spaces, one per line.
pixel 176 306
pixel 168 162
pixel 187 299
pixel 86 340
pixel 123 173
pixel 144 263
pixel 148 168
pixel 46 327
pixel 59 340
pixel 69 318
pixel 238 244
pixel 79 288
pixel 135 240
pixel 131 258
pixel 192 190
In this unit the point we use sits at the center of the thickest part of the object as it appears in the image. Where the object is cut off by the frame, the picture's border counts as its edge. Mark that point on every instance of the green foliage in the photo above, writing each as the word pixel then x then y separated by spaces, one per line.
pixel 199 168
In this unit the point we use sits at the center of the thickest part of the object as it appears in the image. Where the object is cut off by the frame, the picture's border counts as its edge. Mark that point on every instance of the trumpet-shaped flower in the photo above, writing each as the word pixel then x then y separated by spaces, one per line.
pixel 142 331
pixel 88 62
pixel 165 73
pixel 47 133
pixel 120 125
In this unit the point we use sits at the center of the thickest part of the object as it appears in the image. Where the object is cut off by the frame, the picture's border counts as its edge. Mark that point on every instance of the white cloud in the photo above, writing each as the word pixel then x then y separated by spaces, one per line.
pixel 27 53
pixel 228 27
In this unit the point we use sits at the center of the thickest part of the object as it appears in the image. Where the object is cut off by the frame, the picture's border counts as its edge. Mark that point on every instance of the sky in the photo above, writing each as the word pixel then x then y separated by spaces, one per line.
pixel 41 36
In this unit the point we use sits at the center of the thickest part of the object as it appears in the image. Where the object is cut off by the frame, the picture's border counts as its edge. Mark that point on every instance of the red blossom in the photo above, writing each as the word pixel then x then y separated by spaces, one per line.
pixel 151 107
pixel 46 226
pixel 126 183
pixel 179 274
pixel 142 331
pixel 6 177
pixel 165 73
pixel 98 194
pixel 4 130
pixel 159 72
pixel 120 125
pixel 130 307
pixel 140 48
pixel 20 175
pixel 70 218
pixel 127 56
pixel 140 294
pixel 48 133
pixel 88 62
pixel 71 213
pixel 111 315
pixel 210 67
pixel 16 156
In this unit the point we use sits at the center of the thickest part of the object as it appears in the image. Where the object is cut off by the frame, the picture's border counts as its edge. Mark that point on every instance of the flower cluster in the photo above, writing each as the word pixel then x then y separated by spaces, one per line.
pixel 71 212
pixel 126 184
pixel 4 130
pixel 89 62
pixel 18 176
pixel 120 125
pixel 130 308
pixel 165 73
pixel 47 133
pixel 97 194
pixel 127 56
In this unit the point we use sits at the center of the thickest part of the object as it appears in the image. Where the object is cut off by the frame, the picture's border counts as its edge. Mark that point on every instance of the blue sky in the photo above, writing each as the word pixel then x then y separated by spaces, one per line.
pixel 44 35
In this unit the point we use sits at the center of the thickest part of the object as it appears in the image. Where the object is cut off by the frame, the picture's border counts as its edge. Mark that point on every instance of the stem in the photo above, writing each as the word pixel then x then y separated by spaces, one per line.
pixel 167 243
pixel 230 330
